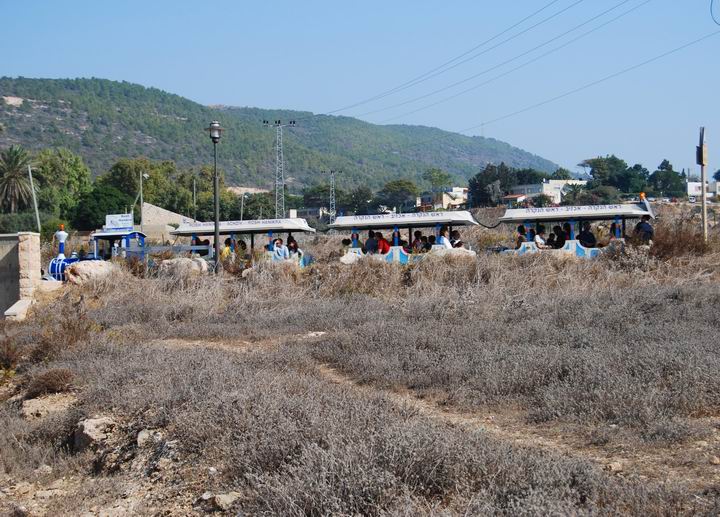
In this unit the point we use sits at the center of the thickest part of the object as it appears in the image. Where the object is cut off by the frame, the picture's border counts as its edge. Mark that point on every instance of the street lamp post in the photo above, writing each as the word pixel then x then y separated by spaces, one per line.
pixel 142 176
pixel 242 205
pixel 215 130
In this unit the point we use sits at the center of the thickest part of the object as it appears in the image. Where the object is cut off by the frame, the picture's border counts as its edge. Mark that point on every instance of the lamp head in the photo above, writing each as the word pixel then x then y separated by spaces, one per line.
pixel 215 131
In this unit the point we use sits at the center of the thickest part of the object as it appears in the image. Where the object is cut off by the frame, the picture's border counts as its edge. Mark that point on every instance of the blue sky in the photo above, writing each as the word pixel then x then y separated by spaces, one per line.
pixel 320 55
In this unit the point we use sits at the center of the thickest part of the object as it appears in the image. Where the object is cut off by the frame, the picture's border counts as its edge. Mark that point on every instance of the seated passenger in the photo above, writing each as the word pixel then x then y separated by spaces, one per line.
pixel 586 236
pixel 295 252
pixel 371 244
pixel 424 245
pixel 455 239
pixel 417 241
pixel 644 230
pixel 226 252
pixel 559 237
pixel 279 250
pixel 431 241
pixel 444 239
pixel 346 243
pixel 539 238
pixel 551 241
pixel 614 231
pixel 567 228
pixel 383 246
pixel 520 237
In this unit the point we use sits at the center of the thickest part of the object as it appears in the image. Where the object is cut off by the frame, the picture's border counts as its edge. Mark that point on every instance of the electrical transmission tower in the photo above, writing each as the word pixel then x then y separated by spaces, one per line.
pixel 333 210
pixel 279 166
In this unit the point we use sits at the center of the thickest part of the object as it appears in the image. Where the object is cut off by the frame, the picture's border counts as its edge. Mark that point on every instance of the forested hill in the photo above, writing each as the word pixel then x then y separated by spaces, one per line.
pixel 106 120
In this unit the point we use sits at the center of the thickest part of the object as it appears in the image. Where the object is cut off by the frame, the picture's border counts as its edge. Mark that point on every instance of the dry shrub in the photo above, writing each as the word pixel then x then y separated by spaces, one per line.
pixel 60 332
pixel 56 380
pixel 9 354
pixel 677 238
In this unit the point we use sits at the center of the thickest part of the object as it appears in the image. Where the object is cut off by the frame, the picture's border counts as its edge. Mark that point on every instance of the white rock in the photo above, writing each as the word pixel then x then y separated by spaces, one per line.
pixel 91 432
pixel 212 471
pixel 83 272
pixel 42 406
pixel 616 467
pixel 225 501
pixel 182 267
pixel 148 436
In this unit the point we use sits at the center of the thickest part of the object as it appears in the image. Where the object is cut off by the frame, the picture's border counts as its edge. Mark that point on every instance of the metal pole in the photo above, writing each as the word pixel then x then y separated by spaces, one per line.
pixel 704 203
pixel 141 202
pixel 32 187
pixel 216 193
pixel 242 206
pixel 194 201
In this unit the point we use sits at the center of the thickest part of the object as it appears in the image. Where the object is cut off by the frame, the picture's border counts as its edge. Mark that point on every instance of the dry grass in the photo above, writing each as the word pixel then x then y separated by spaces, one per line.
pixel 622 341
pixel 55 380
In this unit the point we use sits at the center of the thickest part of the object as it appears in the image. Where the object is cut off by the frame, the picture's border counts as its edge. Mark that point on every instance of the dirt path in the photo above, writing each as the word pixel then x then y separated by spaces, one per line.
pixel 693 463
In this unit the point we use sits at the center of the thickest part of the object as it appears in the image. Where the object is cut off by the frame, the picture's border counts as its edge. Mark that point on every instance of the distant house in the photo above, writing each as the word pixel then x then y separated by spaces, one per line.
pixel 454 198
pixel 312 212
pixel 694 189
pixel 513 200
pixel 554 189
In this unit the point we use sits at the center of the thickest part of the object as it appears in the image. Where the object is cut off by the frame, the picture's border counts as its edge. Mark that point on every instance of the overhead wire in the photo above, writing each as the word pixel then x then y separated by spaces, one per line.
pixel 712 12
pixel 573 91
pixel 442 68
pixel 515 69
pixel 495 67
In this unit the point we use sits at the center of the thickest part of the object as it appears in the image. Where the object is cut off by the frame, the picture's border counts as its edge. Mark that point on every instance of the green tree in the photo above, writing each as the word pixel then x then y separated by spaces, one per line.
pixel 62 179
pixel 529 176
pixel 490 184
pixel 561 174
pixel 667 182
pixel 542 201
pixel 716 176
pixel 437 178
pixel 398 193
pixel 93 206
pixel 600 195
pixel 359 201
pixel 15 191
pixel 614 172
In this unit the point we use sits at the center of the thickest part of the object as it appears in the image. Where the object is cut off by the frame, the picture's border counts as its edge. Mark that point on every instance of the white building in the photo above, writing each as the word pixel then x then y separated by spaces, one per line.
pixel 448 199
pixel 554 189
pixel 694 189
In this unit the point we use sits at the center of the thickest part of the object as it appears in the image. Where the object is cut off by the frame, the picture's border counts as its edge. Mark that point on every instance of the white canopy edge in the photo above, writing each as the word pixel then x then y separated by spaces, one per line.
pixel 414 220
pixel 578 213
pixel 114 234
pixel 244 227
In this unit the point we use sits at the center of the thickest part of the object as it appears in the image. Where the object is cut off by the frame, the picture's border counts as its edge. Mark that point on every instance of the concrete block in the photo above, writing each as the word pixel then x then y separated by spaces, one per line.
pixel 18 311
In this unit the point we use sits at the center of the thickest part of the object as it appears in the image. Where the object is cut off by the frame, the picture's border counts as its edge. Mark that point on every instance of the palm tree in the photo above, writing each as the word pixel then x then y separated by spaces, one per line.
pixel 14 183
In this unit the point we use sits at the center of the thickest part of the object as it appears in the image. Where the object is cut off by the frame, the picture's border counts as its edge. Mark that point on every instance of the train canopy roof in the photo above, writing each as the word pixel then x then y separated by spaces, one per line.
pixel 116 234
pixel 414 220
pixel 257 226
pixel 578 213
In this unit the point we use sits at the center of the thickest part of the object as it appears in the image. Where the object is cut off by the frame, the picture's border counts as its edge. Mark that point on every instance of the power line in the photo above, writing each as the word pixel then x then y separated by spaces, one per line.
pixel 712 12
pixel 495 67
pixel 574 91
pixel 526 63
pixel 442 68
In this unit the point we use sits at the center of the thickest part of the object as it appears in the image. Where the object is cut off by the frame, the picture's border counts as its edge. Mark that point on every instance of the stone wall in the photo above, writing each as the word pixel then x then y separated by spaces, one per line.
pixel 20 267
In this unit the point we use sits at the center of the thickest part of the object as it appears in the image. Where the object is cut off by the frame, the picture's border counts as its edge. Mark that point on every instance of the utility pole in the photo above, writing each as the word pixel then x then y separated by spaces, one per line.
pixel 279 166
pixel 142 229
pixel 32 188
pixel 242 206
pixel 702 162
pixel 333 209
pixel 194 200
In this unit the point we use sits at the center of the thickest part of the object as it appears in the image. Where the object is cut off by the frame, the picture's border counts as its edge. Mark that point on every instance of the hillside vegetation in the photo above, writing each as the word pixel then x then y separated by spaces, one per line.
pixel 106 120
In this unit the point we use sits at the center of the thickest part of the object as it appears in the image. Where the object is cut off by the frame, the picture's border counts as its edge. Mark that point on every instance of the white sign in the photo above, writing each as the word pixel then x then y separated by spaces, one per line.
pixel 119 222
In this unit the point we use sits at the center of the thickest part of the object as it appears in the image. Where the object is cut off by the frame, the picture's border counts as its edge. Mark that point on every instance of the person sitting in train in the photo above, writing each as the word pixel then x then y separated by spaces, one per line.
pixel 417 243
pixel 520 237
pixel 539 238
pixel 644 230
pixel 425 246
pixel 444 238
pixel 279 250
pixel 383 246
pixel 559 237
pixel 430 243
pixel 294 251
pixel 371 244
pixel 586 237
pixel 551 240
pixel 226 252
pixel 567 228
pixel 455 239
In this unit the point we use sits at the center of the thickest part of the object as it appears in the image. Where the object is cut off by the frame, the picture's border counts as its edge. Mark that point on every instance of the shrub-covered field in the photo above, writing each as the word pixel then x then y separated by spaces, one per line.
pixel 603 373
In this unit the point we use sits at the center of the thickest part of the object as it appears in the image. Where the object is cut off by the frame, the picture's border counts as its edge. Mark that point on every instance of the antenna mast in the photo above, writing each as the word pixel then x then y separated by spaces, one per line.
pixel 279 166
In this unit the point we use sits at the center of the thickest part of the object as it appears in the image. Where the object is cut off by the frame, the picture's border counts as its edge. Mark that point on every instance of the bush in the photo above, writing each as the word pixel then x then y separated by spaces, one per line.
pixel 55 380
